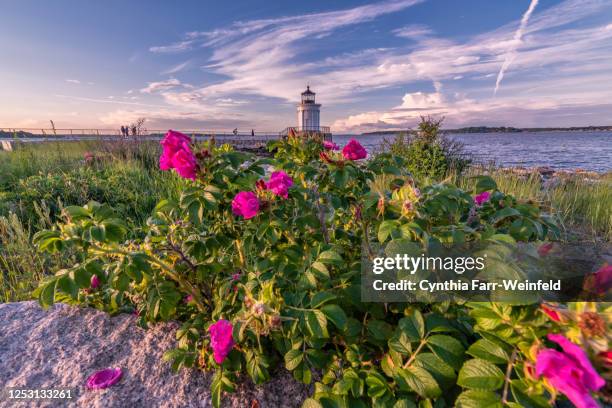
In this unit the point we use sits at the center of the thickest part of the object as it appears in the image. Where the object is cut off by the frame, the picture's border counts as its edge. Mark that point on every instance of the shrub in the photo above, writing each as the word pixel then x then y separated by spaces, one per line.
pixel 428 155
pixel 263 270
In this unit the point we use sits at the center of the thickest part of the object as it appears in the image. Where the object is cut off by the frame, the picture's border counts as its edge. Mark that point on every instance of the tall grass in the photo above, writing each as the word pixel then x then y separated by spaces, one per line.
pixel 583 205
pixel 38 180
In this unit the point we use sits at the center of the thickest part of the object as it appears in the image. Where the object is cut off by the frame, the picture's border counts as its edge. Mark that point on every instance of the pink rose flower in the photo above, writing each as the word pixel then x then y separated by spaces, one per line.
pixel 177 155
pixel 327 145
pixel 245 204
pixel 185 163
pixel 94 282
pixel 570 372
pixel 104 378
pixel 354 150
pixel 481 198
pixel 171 143
pixel 221 339
pixel 600 282
pixel 279 183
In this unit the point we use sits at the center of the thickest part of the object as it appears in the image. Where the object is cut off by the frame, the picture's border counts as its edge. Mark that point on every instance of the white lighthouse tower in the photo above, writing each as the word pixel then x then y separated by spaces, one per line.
pixel 308 112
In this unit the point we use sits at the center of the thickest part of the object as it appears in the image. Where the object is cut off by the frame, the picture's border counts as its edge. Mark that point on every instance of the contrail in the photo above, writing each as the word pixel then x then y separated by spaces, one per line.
pixel 511 53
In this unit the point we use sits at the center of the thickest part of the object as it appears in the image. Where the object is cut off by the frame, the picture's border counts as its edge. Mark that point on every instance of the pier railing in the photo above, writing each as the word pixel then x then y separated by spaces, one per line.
pixel 64 132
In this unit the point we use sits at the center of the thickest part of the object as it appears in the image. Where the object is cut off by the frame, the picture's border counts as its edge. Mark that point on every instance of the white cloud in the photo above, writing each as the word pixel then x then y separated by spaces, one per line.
pixel 73 81
pixel 176 68
pixel 263 58
pixel 421 101
pixel 154 87
pixel 415 31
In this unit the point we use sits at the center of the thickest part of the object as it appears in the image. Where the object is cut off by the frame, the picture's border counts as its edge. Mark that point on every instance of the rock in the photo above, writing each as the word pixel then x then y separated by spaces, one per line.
pixel 62 346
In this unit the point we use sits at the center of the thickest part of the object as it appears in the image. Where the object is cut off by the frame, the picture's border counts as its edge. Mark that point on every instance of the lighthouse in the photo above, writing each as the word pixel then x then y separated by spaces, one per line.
pixel 308 112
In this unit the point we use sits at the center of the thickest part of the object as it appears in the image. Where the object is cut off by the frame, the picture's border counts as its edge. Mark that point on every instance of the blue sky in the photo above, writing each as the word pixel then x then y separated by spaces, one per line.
pixel 374 65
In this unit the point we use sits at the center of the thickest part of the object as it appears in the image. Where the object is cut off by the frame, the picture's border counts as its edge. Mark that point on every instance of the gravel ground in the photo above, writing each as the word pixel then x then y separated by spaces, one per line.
pixel 61 347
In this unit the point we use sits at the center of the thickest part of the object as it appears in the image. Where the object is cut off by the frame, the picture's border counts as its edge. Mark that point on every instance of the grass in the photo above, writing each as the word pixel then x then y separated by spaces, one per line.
pixel 37 180
pixel 584 206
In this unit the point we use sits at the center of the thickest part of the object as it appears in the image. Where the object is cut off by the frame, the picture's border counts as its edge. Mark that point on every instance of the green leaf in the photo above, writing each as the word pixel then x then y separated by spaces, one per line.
pixel 484 183
pixel 413 326
pixel 67 285
pixel 311 403
pixel 98 232
pixel 503 214
pixel 377 385
pixel 336 315
pixel 442 372
pixel 420 381
pixel 404 403
pixel 317 324
pixel 47 293
pixel 478 399
pixel 400 343
pixel 293 358
pixel 520 392
pixel 386 228
pixel 76 213
pixel 480 374
pixel 330 257
pixel 448 349
pixel 321 298
pixel 488 350
pixel 380 329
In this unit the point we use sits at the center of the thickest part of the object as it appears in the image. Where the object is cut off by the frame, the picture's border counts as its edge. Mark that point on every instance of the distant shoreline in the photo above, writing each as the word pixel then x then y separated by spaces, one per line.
pixel 500 129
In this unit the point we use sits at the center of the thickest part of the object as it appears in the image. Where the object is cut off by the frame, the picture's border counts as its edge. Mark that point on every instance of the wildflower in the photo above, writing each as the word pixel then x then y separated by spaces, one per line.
pixel 570 372
pixel 327 145
pixel 283 177
pixel 245 204
pixel 544 249
pixel 172 143
pixel 185 163
pixel 221 339
pixel 188 299
pixel 481 198
pixel 259 308
pixel 354 150
pixel 177 155
pixel 591 324
pixel 600 282
pixel 104 378
pixel 279 184
pixel 554 314
pixel 236 277
pixel 94 282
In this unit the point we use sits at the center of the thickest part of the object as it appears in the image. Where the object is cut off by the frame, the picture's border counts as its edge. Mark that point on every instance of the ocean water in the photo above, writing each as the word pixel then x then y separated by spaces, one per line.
pixel 560 150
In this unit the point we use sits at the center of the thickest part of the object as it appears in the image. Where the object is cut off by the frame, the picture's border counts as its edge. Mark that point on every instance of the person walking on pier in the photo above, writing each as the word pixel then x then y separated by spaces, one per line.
pixel 253 132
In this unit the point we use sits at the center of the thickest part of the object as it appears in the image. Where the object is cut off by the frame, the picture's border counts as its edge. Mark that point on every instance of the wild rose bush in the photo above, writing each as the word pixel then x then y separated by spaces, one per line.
pixel 260 260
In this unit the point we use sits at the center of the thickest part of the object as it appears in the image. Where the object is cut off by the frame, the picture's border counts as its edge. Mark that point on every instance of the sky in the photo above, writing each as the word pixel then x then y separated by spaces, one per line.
pixel 210 65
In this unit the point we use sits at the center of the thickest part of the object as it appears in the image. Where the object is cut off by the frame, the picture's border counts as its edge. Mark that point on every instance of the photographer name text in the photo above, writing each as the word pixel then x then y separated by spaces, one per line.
pixel 462 286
